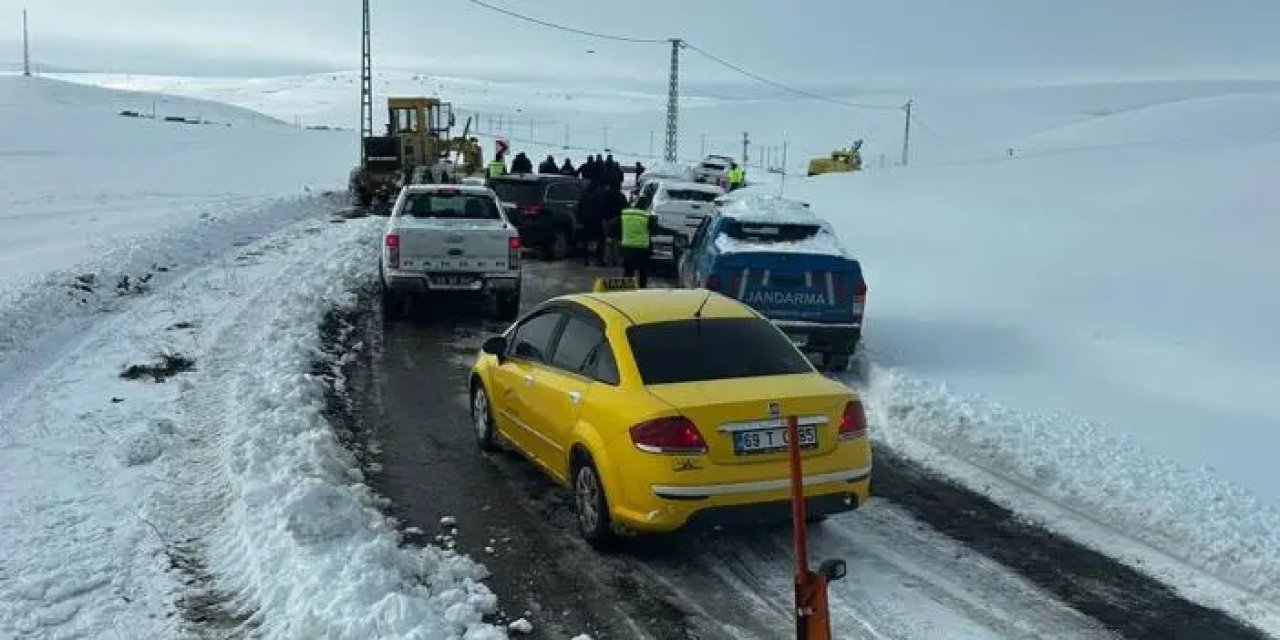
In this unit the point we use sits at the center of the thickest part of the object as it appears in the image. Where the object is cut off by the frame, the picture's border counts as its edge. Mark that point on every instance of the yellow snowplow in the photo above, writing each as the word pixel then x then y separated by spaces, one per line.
pixel 840 161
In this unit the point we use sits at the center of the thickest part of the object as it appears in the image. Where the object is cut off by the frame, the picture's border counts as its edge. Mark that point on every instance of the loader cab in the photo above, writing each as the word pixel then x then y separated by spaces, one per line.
pixel 421 124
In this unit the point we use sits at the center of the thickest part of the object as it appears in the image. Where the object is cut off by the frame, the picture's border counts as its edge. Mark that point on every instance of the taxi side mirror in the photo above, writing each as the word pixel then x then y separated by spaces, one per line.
pixel 833 569
pixel 495 346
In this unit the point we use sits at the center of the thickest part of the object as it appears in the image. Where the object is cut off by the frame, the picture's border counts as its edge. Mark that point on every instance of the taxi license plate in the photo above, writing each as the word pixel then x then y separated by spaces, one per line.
pixel 453 282
pixel 771 440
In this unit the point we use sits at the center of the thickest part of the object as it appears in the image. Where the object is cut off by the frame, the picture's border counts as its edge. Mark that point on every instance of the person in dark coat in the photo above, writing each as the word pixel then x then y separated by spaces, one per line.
pixel 639 170
pixel 549 166
pixel 590 215
pixel 612 204
pixel 521 164
pixel 587 169
pixel 567 169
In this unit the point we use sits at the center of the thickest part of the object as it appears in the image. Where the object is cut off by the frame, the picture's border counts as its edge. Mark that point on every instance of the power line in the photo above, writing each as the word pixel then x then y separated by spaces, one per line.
pixel 800 92
pixel 552 25
pixel 685 44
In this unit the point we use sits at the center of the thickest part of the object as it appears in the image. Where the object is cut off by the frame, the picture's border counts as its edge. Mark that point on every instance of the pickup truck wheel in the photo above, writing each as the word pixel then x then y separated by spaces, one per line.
pixel 507 307
pixel 392 304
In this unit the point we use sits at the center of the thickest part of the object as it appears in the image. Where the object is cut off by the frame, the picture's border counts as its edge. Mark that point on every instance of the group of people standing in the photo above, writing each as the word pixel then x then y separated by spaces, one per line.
pixel 611 231
pixel 596 170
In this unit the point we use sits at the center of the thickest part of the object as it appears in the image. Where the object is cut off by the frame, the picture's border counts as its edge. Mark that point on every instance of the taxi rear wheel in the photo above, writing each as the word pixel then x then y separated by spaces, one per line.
pixel 591 505
pixel 482 419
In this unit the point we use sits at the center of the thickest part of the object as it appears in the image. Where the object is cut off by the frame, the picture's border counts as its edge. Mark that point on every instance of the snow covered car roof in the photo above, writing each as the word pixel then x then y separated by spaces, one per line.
pixel 767 209
pixel 479 190
pixel 666 183
pixel 761 211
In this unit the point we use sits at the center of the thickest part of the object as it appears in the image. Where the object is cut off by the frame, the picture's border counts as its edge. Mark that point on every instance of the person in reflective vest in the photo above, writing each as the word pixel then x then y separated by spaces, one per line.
pixel 737 176
pixel 497 167
pixel 637 226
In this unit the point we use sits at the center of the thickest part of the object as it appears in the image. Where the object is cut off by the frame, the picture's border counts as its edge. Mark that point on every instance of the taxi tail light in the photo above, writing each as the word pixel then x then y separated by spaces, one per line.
pixel 713 282
pixel 393 250
pixel 853 423
pixel 676 434
pixel 529 209
pixel 513 253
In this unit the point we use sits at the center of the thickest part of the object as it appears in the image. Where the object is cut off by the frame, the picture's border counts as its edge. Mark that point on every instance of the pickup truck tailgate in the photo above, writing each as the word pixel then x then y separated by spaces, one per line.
pixel 441 245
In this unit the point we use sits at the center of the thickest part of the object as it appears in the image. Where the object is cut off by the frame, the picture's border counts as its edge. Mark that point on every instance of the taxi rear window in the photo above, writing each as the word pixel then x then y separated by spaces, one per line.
pixel 695 350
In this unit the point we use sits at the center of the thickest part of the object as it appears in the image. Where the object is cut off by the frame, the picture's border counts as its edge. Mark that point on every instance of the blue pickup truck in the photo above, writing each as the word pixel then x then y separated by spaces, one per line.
pixel 784 261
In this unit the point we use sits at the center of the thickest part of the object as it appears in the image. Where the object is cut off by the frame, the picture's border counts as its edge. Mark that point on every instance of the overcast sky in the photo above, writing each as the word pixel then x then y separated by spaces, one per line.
pixel 849 42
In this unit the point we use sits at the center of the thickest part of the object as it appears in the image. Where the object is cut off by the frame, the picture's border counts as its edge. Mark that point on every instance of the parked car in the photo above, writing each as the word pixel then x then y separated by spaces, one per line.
pixel 665 409
pixel 680 207
pixel 450 239
pixel 660 171
pixel 714 170
pixel 779 257
pixel 544 207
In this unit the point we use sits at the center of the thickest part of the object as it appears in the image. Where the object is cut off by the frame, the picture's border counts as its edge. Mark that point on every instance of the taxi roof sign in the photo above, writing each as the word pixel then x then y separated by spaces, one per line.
pixel 604 285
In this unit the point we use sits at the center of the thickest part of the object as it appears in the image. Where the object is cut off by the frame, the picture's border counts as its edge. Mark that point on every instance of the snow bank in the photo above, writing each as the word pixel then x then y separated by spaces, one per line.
pixel 303 543
pixel 1189 513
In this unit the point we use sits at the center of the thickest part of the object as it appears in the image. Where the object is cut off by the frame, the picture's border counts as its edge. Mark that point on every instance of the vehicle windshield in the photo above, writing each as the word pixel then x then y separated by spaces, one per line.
pixel 690 195
pixel 695 350
pixel 714 166
pixel 770 232
pixel 518 191
pixel 451 205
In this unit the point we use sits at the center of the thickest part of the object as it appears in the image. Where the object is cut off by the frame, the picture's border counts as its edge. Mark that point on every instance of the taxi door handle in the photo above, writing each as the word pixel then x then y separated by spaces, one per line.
pixel 528 379
pixel 575 397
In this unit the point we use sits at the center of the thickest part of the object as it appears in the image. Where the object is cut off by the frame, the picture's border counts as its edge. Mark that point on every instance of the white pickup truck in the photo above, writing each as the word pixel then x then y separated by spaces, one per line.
pixel 680 207
pixel 450 239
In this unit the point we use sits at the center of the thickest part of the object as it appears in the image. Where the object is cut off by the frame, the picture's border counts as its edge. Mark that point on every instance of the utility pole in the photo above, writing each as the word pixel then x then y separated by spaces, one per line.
pixel 746 146
pixel 783 184
pixel 532 135
pixel 366 83
pixel 906 134
pixel 26 47
pixel 566 135
pixel 703 152
pixel 651 143
pixel 673 103
pixel 605 129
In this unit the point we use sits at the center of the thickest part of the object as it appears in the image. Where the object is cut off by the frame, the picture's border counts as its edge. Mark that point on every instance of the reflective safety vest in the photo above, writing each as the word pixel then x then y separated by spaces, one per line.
pixel 635 229
pixel 737 176
pixel 497 168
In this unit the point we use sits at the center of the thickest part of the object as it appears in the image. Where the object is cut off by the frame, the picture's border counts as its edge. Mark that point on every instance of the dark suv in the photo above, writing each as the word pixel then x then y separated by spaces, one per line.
pixel 544 207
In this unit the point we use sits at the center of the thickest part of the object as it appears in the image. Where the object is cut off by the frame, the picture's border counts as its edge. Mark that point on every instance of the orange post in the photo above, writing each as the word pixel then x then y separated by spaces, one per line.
pixel 813 620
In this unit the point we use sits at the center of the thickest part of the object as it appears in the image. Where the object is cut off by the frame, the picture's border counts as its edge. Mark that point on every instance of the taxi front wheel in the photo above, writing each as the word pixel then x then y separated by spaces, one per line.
pixel 592 506
pixel 482 419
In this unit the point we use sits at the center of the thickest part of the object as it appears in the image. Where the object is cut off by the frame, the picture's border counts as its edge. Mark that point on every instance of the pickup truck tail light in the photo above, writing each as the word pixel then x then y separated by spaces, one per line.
pixel 859 299
pixel 529 209
pixel 676 434
pixel 513 253
pixel 853 423
pixel 713 282
pixel 393 250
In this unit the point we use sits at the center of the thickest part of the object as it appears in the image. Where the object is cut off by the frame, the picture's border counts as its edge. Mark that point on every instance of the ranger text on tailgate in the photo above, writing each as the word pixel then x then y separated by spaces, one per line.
pixel 779 257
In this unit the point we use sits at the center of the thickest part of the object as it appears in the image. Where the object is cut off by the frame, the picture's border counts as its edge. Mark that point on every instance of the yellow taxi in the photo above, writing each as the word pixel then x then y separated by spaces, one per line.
pixel 666 408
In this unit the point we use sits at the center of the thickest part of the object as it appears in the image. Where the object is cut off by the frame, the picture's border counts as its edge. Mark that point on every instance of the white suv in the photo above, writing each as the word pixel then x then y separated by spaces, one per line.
pixel 445 238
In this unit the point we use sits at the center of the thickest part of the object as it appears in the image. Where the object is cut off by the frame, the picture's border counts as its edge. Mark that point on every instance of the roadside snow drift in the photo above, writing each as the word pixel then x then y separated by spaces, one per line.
pixel 166 463
pixel 1098 326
